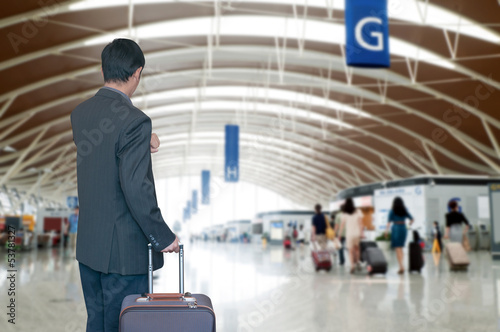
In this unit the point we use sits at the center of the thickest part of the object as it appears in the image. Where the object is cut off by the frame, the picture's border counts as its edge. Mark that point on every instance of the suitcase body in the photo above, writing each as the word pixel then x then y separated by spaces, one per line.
pixel 287 243
pixel 415 257
pixel 162 312
pixel 375 260
pixel 363 245
pixel 176 314
pixel 321 258
pixel 457 256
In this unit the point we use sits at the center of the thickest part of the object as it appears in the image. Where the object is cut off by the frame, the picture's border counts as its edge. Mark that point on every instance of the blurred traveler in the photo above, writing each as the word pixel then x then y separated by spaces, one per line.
pixel 73 227
pixel 352 222
pixel 454 220
pixel 301 237
pixel 341 236
pixel 119 211
pixel 318 229
pixel 436 232
pixel 397 216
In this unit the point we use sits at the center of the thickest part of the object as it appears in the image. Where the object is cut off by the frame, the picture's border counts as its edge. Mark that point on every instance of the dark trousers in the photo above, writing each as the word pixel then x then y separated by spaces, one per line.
pixel 104 293
pixel 341 250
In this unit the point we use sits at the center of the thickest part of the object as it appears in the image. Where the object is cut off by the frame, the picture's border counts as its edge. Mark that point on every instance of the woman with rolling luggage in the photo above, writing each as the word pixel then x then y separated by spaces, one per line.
pixel 454 220
pixel 397 216
pixel 351 220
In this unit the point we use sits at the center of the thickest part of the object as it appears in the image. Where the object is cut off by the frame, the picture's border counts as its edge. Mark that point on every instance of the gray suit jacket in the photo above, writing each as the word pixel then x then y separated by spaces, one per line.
pixel 119 214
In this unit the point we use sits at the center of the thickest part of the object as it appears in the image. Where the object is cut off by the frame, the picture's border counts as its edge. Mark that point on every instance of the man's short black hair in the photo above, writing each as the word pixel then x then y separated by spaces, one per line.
pixel 120 59
pixel 317 208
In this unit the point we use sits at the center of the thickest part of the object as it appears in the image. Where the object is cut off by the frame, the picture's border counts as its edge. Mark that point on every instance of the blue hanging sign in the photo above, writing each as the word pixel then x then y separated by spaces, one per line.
pixel 188 210
pixel 194 202
pixel 232 169
pixel 205 187
pixel 72 202
pixel 367 33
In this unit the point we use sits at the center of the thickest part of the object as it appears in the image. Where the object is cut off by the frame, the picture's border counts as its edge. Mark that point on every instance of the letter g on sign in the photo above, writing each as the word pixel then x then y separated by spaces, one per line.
pixel 379 46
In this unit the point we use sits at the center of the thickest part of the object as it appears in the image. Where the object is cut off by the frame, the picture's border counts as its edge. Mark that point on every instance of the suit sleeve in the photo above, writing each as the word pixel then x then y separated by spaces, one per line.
pixel 138 185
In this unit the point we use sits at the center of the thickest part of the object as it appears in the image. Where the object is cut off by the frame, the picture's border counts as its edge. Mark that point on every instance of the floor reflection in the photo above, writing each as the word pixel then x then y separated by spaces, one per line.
pixel 256 289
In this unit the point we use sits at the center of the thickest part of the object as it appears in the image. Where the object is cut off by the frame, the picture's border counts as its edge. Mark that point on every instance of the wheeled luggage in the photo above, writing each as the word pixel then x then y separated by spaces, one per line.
pixel 415 256
pixel 321 258
pixel 287 243
pixel 375 260
pixel 363 245
pixel 164 312
pixel 457 256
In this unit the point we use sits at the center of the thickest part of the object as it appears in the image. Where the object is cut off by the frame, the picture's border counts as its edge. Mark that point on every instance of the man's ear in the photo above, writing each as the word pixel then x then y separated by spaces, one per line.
pixel 137 73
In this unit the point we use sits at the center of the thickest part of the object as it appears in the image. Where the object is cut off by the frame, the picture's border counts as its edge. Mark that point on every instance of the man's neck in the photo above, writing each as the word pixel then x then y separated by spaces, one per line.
pixel 122 87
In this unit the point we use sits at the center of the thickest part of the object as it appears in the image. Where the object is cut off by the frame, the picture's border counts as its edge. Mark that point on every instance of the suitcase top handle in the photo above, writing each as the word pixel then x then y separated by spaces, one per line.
pixel 181 269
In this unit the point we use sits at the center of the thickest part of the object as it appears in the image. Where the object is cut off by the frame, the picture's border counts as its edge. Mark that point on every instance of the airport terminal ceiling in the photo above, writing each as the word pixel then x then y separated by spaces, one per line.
pixel 310 126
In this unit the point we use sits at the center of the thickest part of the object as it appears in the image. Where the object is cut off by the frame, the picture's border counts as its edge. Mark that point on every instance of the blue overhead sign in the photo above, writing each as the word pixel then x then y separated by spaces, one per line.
pixel 205 187
pixel 72 202
pixel 194 202
pixel 232 169
pixel 367 33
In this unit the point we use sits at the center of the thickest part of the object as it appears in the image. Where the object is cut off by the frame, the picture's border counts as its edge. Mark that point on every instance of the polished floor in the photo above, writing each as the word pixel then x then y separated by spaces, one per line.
pixel 256 289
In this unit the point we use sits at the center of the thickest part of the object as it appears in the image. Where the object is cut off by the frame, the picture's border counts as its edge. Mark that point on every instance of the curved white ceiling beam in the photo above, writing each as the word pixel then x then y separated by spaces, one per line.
pixel 300 97
pixel 263 26
pixel 181 123
pixel 307 159
pixel 267 26
pixel 274 169
pixel 235 105
pixel 390 142
pixel 406 11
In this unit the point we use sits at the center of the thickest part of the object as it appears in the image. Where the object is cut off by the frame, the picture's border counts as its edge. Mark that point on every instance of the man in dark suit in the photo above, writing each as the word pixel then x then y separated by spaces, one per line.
pixel 119 213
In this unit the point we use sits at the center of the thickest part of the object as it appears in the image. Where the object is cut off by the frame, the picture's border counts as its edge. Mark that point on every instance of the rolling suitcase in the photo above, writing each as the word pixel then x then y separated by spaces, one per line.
pixel 287 243
pixel 415 257
pixel 375 260
pixel 321 258
pixel 363 245
pixel 167 312
pixel 457 256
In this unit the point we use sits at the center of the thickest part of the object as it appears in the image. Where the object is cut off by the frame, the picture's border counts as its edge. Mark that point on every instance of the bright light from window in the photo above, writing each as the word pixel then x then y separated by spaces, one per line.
pixel 264 26
pixel 256 93
pixel 407 11
pixel 288 112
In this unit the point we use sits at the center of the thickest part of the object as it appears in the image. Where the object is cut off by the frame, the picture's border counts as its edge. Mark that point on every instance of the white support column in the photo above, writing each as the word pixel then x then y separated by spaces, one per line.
pixel 301 27
pixel 356 175
pixel 281 54
pixel 389 169
pixel 422 12
pixel 330 8
pixel 412 69
pixel 382 88
pixel 416 162
pixel 348 70
pixel 6 106
pixel 130 18
pixel 431 157
pixel 14 126
pixel 492 137
pixel 456 134
pixel 326 88
pixel 358 102
pixel 15 167
pixel 216 21
pixel 34 158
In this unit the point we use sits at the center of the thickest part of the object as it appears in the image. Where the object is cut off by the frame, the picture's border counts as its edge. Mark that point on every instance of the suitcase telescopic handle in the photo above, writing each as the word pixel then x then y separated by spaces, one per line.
pixel 181 268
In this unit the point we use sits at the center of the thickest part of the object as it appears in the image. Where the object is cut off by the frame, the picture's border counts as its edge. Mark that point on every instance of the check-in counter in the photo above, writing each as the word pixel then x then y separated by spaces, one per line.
pixel 473 235
pixel 484 237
